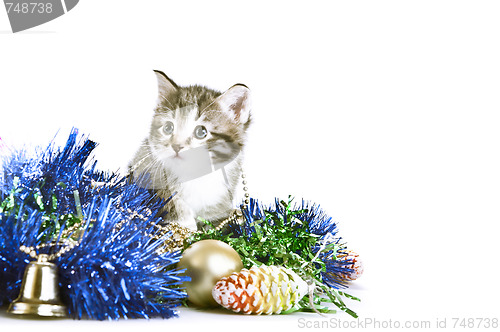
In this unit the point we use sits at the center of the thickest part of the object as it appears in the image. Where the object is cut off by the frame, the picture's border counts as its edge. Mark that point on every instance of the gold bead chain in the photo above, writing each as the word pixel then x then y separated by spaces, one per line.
pixel 32 251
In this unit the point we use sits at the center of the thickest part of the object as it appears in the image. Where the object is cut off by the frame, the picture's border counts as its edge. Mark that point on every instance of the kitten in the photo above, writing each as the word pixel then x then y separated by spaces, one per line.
pixel 194 150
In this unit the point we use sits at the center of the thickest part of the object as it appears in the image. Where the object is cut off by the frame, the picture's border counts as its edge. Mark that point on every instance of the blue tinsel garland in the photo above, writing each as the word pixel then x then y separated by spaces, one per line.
pixel 116 270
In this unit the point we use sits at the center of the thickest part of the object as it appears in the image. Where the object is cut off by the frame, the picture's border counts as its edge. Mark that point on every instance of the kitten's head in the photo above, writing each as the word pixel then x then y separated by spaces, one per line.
pixel 195 128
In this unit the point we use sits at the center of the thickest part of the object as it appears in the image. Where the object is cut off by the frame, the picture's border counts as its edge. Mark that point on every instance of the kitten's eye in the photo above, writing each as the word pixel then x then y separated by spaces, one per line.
pixel 168 128
pixel 200 132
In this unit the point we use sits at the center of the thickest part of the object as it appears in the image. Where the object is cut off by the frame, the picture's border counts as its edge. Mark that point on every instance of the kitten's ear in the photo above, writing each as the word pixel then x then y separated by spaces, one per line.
pixel 165 86
pixel 237 101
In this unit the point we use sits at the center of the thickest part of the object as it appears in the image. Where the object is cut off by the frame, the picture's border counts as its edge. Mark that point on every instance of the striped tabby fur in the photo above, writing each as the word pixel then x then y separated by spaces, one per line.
pixel 194 150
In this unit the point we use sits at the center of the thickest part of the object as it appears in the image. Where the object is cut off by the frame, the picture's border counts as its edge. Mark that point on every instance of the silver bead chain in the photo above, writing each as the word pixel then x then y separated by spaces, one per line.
pixel 237 215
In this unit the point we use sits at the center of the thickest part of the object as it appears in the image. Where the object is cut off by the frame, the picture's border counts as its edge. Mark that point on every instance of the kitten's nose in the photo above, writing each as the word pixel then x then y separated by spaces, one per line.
pixel 177 147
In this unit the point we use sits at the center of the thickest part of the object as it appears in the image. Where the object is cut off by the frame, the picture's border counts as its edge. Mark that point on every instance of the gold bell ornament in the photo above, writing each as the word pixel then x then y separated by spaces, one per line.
pixel 39 291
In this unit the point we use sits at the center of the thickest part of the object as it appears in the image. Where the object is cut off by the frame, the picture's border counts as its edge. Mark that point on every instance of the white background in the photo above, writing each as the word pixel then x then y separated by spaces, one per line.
pixel 384 112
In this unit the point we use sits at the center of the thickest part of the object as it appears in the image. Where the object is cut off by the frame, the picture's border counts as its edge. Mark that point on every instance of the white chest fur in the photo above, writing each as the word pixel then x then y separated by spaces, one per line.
pixel 205 191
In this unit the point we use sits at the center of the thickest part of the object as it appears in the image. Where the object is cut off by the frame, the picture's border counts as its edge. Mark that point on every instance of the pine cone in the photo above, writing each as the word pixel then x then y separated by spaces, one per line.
pixel 264 289
pixel 354 264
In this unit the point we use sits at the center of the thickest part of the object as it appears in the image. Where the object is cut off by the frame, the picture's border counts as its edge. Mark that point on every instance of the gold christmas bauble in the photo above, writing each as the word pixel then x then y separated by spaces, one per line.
pixel 206 262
